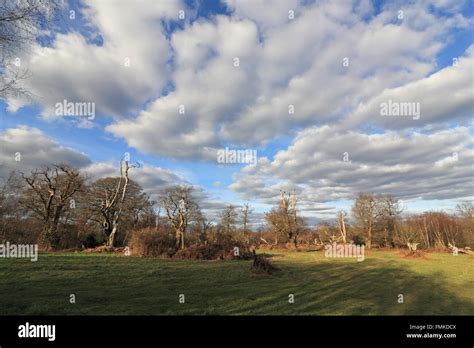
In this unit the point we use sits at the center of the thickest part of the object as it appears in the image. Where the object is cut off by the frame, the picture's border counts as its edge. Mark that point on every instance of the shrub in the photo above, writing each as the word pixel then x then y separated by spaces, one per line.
pixel 91 240
pixel 217 250
pixel 152 242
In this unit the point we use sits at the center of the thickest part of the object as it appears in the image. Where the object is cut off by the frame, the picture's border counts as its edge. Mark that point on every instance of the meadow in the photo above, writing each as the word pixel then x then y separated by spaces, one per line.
pixel 108 284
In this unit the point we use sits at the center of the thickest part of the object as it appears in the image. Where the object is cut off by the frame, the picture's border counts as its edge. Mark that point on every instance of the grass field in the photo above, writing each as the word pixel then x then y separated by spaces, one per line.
pixel 117 285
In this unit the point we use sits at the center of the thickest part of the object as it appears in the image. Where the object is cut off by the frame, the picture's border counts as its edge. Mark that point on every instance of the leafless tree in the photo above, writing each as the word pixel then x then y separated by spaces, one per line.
pixel 410 235
pixel 245 211
pixel 284 219
pixel 113 203
pixel 10 190
pixel 466 209
pixel 341 223
pixel 203 227
pixel 229 218
pixel 21 22
pixel 366 213
pixel 181 210
pixel 49 195
pixel 102 209
pixel 389 211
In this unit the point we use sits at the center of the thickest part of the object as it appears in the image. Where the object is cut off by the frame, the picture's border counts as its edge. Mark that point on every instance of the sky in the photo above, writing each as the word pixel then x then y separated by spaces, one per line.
pixel 301 84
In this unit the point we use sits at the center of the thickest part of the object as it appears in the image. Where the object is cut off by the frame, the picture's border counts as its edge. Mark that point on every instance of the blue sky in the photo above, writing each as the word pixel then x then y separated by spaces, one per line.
pixel 184 61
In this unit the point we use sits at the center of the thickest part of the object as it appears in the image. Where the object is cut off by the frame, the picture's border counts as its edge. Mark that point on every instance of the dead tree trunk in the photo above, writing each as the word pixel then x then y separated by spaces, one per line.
pixel 412 247
pixel 269 245
pixel 112 208
pixel 341 216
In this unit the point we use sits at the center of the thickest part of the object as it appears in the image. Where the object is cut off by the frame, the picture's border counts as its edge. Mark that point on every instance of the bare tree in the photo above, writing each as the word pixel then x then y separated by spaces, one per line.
pixel 389 211
pixel 341 223
pixel 112 205
pixel 49 195
pixel 10 191
pixel 245 211
pixel 410 235
pixel 102 209
pixel 284 219
pixel 181 210
pixel 366 213
pixel 229 218
pixel 21 22
pixel 466 209
pixel 203 227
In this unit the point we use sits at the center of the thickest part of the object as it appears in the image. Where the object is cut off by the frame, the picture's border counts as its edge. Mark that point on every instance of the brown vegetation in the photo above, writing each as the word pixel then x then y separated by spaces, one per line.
pixel 60 209
pixel 261 264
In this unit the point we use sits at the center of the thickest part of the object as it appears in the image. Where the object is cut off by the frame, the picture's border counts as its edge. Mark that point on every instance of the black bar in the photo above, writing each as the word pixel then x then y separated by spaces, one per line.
pixel 262 330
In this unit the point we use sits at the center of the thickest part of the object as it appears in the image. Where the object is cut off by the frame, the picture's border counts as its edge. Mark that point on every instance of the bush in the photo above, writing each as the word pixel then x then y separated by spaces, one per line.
pixel 91 240
pixel 20 231
pixel 152 242
pixel 161 243
pixel 218 250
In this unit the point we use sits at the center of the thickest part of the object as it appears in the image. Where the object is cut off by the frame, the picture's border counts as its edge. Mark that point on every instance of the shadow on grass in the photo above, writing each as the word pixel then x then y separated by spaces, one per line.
pixel 356 289
pixel 138 286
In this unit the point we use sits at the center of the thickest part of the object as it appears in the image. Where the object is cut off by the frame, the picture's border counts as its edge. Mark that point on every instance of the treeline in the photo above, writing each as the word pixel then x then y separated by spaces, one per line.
pixel 378 222
pixel 58 208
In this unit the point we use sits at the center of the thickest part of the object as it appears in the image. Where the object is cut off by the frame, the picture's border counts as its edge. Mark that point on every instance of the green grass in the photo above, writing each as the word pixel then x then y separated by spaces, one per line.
pixel 442 284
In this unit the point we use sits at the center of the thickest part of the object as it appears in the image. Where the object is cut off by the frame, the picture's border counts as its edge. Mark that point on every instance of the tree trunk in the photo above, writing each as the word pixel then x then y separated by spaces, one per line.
pixel 412 247
pixel 343 230
pixel 179 239
pixel 369 238
pixel 46 237
pixel 49 236
pixel 111 239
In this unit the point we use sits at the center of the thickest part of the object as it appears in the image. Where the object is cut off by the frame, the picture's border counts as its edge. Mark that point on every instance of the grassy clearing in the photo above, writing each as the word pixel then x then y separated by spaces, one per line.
pixel 117 285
